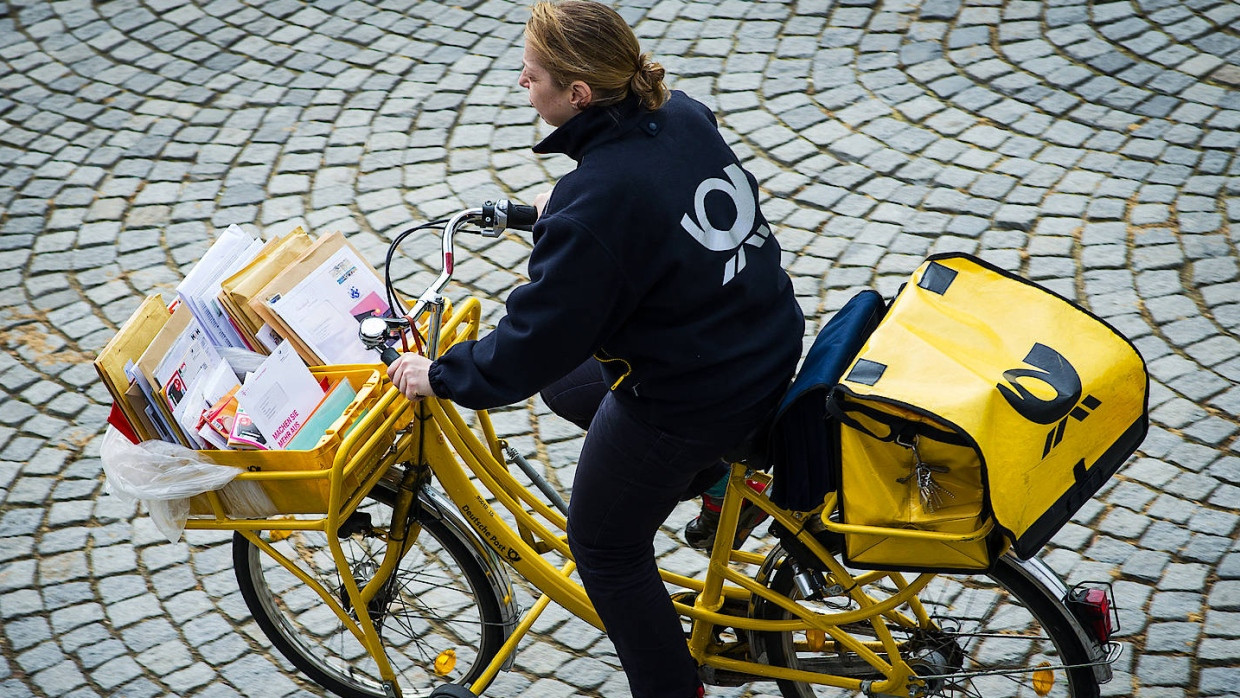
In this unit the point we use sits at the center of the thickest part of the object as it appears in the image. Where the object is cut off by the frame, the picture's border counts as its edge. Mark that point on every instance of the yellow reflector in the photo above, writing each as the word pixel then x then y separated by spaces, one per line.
pixel 815 638
pixel 445 662
pixel 1043 679
pixel 277 536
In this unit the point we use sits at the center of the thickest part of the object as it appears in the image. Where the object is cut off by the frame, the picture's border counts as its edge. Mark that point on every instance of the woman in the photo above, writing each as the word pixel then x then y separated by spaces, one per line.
pixel 657 316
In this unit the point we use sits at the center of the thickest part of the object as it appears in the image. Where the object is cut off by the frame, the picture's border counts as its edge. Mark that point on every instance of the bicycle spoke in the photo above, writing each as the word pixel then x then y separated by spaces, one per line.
pixel 430 603
pixel 985 637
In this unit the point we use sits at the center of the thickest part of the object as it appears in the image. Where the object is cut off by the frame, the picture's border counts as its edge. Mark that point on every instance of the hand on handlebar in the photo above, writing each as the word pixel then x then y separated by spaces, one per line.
pixel 540 201
pixel 409 374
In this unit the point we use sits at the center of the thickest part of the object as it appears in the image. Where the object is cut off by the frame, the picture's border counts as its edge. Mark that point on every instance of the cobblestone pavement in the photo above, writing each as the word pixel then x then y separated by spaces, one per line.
pixel 1089 145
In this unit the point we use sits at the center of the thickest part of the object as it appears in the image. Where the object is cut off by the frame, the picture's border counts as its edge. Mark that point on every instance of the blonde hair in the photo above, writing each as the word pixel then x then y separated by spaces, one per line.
pixel 586 41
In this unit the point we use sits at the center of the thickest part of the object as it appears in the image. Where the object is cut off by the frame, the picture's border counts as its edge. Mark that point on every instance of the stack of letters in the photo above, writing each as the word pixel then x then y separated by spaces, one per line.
pixel 225 365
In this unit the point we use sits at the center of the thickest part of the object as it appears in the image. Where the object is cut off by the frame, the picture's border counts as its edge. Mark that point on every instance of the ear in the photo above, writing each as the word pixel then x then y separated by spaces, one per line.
pixel 580 94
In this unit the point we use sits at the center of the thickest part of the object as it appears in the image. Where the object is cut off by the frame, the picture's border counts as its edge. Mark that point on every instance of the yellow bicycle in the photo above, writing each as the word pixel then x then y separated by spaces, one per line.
pixel 386 573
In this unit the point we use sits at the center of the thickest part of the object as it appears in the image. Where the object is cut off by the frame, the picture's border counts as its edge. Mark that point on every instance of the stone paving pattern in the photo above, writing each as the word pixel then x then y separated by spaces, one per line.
pixel 1089 145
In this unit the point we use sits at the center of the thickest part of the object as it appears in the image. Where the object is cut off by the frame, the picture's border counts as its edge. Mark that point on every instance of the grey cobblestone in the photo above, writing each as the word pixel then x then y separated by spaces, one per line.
pixel 1089 146
pixel 1216 624
pixel 1208 549
pixel 1174 605
pixel 1169 670
pixel 1146 564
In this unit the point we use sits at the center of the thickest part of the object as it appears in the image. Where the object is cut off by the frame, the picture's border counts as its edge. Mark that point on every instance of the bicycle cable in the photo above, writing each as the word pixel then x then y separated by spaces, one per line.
pixel 395 306
pixel 392 292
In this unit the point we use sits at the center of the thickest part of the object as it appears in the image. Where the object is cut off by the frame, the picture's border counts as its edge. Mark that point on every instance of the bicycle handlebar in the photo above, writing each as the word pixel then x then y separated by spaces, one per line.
pixel 492 218
pixel 507 214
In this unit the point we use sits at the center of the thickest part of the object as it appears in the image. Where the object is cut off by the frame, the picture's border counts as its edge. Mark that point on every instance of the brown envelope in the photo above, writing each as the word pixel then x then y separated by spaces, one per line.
pixel 238 290
pixel 128 345
pixel 304 266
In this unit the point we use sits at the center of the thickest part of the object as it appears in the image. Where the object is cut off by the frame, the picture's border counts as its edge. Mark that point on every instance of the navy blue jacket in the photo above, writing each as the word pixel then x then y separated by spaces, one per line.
pixel 653 257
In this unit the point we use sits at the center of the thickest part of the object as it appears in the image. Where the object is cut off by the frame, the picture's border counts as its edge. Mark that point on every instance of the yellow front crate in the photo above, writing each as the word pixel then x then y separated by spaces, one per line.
pixel 298 482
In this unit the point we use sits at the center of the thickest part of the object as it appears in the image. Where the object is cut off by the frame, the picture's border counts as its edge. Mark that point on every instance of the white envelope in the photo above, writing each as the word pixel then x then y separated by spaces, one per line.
pixel 280 395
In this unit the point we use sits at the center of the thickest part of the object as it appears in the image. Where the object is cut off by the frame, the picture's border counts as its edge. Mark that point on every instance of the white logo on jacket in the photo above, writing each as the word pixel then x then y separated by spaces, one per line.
pixel 741 231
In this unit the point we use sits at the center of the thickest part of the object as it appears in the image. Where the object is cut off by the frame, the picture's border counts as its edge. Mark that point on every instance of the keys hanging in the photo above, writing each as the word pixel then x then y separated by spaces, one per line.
pixel 931 492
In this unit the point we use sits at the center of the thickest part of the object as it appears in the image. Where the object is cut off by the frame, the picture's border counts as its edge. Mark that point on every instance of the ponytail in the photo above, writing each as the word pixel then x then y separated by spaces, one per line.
pixel 647 83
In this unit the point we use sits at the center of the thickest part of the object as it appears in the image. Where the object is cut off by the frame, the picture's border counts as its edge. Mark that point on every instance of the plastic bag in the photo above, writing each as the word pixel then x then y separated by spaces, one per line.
pixel 164 476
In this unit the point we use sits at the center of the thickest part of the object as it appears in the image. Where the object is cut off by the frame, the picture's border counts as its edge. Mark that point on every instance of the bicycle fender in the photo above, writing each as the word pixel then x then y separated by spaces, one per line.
pixel 438 506
pixel 1040 574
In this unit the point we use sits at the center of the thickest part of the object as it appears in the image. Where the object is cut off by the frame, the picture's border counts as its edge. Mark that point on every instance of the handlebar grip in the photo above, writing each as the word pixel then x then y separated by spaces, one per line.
pixel 521 216
pixel 388 355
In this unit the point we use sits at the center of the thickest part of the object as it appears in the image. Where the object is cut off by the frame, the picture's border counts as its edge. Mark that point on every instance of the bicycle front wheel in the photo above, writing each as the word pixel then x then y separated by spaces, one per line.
pixel 438 620
pixel 988 635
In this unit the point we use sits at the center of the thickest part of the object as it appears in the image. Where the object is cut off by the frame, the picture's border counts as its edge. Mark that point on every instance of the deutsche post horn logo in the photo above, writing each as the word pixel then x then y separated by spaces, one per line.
pixel 1052 369
pixel 741 232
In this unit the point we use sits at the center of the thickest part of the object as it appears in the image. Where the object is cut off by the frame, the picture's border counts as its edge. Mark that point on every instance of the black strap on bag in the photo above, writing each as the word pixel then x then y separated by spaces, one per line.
pixel 900 430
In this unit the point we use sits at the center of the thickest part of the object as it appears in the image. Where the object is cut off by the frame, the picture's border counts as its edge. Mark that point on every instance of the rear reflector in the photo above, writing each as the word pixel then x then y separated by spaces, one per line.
pixel 1094 606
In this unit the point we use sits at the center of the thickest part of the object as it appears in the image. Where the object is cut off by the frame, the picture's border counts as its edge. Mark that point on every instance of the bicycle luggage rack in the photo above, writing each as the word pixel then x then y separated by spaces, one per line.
pixel 360 460
pixel 331 480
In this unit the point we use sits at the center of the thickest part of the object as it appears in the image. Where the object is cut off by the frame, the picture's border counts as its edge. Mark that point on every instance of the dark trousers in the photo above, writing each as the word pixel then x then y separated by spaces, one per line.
pixel 630 477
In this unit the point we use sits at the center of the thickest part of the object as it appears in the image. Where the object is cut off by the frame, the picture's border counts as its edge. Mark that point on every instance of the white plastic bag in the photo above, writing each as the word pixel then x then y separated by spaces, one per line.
pixel 164 476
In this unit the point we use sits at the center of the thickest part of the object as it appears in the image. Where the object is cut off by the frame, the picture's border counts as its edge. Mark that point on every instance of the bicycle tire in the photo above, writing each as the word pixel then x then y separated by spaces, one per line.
pixel 995 622
pixel 443 603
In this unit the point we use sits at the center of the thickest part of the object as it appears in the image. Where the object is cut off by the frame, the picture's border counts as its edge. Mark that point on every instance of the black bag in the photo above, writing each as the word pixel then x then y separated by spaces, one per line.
pixel 799 445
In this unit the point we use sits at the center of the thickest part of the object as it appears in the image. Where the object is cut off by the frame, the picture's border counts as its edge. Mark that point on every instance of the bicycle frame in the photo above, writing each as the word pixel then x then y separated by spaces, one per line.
pixel 438 441
pixel 449 449
pixel 430 439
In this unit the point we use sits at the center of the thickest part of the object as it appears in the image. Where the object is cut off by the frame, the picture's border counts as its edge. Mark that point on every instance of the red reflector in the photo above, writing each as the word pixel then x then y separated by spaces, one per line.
pixel 447 262
pixel 1093 607
pixel 1101 605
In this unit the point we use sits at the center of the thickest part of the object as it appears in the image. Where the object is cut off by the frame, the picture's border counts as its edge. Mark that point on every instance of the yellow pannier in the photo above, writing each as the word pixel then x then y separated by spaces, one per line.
pixel 982 412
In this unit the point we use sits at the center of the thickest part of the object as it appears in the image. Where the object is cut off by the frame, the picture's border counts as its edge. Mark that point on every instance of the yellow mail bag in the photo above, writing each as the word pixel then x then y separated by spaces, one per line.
pixel 982 412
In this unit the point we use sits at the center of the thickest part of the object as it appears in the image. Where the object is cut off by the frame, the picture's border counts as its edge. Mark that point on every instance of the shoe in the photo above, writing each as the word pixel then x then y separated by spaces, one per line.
pixel 700 532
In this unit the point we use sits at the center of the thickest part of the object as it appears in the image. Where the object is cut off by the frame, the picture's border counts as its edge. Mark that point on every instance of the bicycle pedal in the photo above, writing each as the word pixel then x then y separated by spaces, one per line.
pixel 722 677
pixel 358 522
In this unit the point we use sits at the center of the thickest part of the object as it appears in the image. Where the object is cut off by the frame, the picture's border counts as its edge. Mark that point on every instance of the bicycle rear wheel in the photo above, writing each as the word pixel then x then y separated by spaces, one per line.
pixel 991 632
pixel 438 607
